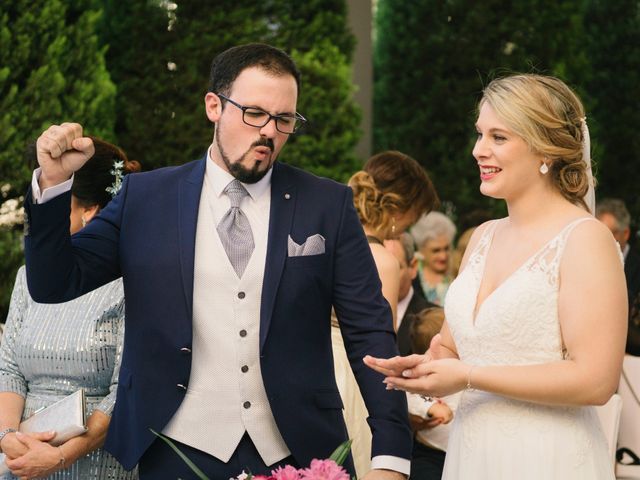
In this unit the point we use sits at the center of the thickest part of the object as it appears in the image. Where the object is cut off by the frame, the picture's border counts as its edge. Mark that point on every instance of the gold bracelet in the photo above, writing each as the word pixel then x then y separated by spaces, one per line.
pixel 469 387
pixel 62 459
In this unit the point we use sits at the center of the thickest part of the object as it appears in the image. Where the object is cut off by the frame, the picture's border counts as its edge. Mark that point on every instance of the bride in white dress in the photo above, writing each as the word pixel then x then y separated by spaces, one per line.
pixel 536 320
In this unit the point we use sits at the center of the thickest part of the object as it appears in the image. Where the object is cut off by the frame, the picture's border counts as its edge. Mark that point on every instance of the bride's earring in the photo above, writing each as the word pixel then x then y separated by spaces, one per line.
pixel 544 169
pixel 84 222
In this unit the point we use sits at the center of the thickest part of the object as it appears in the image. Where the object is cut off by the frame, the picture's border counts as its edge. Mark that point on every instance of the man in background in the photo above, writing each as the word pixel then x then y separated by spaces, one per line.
pixel 410 300
pixel 614 214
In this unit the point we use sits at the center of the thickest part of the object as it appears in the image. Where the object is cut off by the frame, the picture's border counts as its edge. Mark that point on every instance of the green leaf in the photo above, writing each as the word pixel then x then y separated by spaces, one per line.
pixel 340 454
pixel 186 460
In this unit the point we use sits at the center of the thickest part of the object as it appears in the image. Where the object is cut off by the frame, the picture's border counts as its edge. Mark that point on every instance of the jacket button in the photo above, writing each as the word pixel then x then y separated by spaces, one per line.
pixel 185 350
pixel 243 333
pixel 181 386
pixel 246 405
pixel 241 295
pixel 244 369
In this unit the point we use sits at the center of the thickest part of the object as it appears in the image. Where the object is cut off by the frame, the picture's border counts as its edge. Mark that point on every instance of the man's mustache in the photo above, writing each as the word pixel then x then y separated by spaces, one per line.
pixel 264 142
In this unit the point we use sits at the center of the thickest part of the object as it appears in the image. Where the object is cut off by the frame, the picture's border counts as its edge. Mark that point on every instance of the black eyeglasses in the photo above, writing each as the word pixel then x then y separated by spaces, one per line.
pixel 255 117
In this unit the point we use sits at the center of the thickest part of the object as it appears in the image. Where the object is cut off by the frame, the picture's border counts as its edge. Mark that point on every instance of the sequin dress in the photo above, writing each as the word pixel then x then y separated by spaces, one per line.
pixel 498 438
pixel 50 351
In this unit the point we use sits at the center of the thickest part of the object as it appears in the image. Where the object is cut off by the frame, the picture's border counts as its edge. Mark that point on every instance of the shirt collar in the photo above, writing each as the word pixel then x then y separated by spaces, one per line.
pixel 404 304
pixel 219 178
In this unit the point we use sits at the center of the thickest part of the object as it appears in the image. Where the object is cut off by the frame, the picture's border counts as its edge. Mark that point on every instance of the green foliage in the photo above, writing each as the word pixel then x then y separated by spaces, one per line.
pixel 613 32
pixel 301 25
pixel 52 70
pixel 161 119
pixel 12 255
pixel 326 145
pixel 431 62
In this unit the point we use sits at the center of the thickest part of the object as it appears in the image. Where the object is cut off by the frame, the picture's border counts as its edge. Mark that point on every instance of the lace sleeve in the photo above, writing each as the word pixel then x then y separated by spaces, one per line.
pixel 11 378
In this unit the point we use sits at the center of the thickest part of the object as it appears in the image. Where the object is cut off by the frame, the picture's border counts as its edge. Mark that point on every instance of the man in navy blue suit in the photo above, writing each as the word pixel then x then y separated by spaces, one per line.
pixel 231 266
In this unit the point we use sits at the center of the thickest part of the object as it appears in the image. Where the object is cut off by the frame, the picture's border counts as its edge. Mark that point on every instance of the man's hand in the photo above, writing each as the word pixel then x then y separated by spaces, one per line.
pixel 393 367
pixel 384 475
pixel 62 150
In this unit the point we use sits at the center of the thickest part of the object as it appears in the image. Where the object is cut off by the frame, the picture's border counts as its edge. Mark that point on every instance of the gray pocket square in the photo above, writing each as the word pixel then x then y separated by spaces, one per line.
pixel 314 245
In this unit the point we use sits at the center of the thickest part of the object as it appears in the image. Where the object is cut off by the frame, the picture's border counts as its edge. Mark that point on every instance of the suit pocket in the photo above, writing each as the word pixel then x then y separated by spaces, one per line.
pixel 307 261
pixel 328 399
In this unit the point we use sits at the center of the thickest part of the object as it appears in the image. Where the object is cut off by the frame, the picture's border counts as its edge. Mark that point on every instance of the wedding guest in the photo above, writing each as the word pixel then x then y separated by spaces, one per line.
pixel 389 193
pixel 51 351
pixel 410 300
pixel 523 331
pixel 430 417
pixel 231 264
pixel 434 234
pixel 614 214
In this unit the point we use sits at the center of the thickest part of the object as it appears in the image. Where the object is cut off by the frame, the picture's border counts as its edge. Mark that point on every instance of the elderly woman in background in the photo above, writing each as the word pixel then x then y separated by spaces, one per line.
pixel 434 234
pixel 51 351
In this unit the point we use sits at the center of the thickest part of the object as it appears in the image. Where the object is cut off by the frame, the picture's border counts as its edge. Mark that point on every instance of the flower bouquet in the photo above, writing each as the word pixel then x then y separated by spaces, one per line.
pixel 329 469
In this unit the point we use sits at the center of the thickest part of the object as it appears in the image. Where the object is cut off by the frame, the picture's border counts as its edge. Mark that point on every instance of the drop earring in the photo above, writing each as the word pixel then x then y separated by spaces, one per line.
pixel 544 169
pixel 84 222
pixel 393 225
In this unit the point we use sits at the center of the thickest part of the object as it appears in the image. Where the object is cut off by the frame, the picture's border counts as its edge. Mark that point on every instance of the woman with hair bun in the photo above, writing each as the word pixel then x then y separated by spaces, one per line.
pixel 51 351
pixel 523 337
pixel 390 193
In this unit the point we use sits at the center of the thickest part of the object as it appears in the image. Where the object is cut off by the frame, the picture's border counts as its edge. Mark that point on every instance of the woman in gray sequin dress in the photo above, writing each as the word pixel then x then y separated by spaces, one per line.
pixel 51 351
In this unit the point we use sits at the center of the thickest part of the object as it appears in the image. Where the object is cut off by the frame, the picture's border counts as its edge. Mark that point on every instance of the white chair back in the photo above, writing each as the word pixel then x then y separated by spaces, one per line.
pixel 629 436
pixel 609 415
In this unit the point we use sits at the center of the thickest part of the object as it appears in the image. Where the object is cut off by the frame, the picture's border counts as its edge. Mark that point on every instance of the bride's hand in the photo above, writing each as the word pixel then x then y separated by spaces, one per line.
pixel 393 367
pixel 437 378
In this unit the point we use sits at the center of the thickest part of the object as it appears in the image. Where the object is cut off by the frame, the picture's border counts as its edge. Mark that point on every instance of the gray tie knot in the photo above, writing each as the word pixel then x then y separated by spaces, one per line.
pixel 236 192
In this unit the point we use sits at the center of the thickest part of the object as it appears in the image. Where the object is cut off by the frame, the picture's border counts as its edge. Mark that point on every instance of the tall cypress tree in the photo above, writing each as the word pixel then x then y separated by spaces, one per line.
pixel 613 32
pixel 431 61
pixel 161 117
pixel 317 34
pixel 138 40
pixel 52 70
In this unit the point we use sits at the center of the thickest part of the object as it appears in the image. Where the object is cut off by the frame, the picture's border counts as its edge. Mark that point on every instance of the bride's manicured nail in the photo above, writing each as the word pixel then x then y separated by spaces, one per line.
pixel 406 373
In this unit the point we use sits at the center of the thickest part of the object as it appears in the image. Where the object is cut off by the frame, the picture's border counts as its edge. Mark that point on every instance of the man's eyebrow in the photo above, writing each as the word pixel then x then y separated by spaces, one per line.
pixel 265 110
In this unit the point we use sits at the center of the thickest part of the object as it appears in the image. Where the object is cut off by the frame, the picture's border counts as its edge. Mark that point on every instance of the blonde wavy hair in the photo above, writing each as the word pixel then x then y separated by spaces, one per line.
pixel 389 184
pixel 548 116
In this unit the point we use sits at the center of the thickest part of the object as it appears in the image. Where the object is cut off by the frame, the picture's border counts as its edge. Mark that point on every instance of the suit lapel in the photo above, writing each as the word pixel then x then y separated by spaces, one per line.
pixel 283 202
pixel 189 191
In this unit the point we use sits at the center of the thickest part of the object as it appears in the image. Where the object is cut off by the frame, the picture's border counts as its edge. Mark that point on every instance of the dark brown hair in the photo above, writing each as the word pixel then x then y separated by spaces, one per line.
pixel 424 326
pixel 391 182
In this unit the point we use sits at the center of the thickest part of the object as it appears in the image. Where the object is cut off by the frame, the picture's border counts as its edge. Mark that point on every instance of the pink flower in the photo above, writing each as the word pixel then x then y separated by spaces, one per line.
pixel 324 470
pixel 286 473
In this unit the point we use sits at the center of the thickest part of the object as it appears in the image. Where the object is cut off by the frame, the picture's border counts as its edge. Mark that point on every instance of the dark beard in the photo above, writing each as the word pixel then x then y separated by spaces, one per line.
pixel 241 173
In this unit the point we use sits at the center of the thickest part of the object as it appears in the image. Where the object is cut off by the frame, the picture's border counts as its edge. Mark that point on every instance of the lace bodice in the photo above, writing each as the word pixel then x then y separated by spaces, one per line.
pixel 500 438
pixel 518 322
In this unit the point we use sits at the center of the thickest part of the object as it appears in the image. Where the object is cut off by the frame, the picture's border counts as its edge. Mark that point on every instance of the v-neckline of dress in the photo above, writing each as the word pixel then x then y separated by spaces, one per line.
pixel 477 308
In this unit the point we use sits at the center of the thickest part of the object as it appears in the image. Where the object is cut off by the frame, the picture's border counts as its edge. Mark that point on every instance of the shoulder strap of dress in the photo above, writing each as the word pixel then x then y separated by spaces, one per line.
pixel 561 239
pixel 479 251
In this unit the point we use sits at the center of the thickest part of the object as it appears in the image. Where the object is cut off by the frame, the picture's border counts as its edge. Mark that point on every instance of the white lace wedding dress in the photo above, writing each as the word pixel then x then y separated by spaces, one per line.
pixel 497 438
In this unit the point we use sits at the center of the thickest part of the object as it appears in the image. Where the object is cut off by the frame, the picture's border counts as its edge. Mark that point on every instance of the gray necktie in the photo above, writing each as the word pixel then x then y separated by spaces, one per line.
pixel 235 231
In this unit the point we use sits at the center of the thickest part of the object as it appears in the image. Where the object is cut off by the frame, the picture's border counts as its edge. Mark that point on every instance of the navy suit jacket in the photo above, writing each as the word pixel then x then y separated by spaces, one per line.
pixel 147 236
